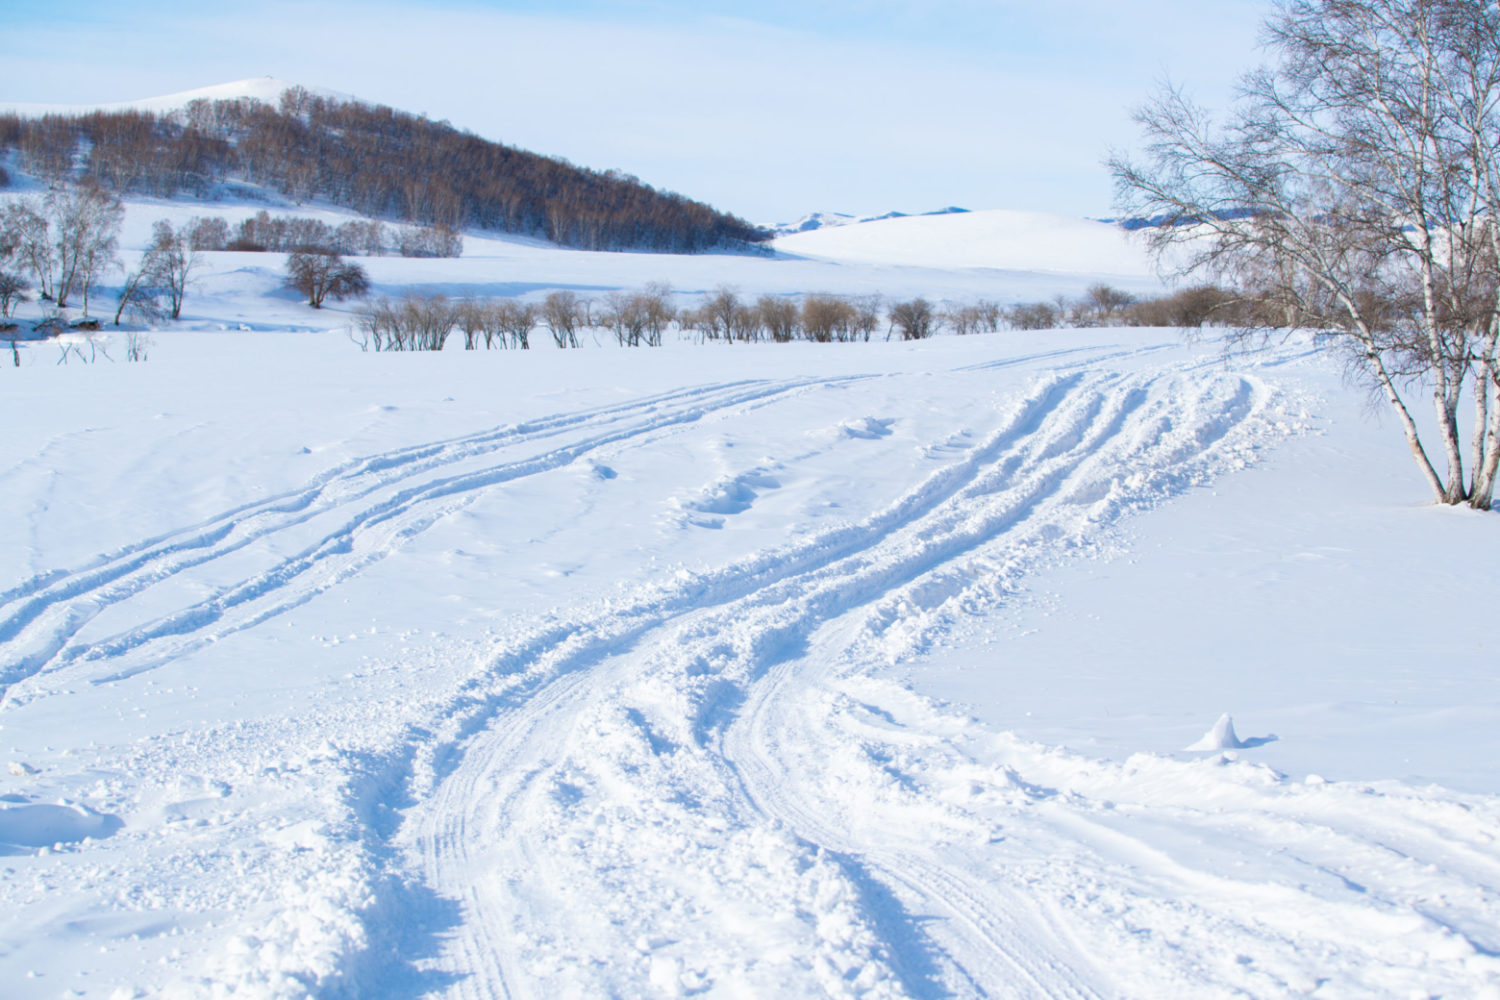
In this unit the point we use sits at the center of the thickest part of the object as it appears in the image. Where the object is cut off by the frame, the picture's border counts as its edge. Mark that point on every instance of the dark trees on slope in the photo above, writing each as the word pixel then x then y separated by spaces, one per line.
pixel 376 161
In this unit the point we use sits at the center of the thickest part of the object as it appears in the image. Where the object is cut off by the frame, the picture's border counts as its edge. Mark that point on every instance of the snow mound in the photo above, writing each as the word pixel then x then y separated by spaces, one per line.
pixel 1001 239
pixel 260 88
pixel 1220 737
pixel 47 825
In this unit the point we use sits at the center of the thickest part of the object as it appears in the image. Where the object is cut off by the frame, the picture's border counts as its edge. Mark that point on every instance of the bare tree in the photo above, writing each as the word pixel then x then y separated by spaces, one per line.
pixel 176 260
pixel 139 294
pixel 1100 305
pixel 1033 316
pixel 12 290
pixel 427 321
pixel 516 319
pixel 716 314
pixel 745 323
pixel 1357 188
pixel 657 309
pixel 627 316
pixel 864 317
pixel 32 235
pixel 469 316
pixel 912 319
pixel 378 324
pixel 779 318
pixel 322 275
pixel 826 318
pixel 563 313
pixel 964 320
pixel 86 226
pixel 206 233
pixel 12 285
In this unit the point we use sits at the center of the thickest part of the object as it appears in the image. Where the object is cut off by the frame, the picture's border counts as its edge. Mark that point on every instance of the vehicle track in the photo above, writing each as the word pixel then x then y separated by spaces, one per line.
pixel 347 518
pixel 578 794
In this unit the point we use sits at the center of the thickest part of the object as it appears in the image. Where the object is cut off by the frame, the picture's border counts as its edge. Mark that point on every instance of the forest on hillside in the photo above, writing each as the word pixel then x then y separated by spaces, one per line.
pixel 373 159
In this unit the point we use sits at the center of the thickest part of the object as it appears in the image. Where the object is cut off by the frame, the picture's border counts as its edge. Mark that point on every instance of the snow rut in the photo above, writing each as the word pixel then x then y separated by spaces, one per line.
pixel 670 797
pixel 337 525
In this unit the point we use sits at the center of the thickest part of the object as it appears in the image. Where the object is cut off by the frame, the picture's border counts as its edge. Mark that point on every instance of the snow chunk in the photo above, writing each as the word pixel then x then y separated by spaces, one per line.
pixel 1220 737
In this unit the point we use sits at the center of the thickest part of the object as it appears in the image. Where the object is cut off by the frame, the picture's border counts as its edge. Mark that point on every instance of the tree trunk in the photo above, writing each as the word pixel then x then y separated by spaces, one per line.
pixel 1409 428
pixel 1456 490
pixel 1483 494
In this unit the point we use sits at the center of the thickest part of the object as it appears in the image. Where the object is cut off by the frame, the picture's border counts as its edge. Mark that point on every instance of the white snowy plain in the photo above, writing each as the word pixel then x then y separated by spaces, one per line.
pixel 748 671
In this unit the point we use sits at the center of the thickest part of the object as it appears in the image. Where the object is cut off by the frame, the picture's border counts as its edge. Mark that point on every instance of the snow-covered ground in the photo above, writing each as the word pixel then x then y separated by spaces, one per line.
pixel 260 88
pixel 773 670
pixel 994 239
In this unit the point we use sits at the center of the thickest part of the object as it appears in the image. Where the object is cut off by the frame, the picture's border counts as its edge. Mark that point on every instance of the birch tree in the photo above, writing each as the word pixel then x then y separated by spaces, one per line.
pixel 1356 189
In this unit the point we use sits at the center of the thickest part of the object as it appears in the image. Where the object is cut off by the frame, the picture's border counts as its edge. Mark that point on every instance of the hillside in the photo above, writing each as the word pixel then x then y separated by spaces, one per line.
pixel 378 161
pixel 997 239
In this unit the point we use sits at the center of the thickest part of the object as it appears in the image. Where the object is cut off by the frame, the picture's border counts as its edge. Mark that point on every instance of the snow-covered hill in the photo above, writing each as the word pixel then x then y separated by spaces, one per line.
pixel 261 88
pixel 996 239
pixel 828 220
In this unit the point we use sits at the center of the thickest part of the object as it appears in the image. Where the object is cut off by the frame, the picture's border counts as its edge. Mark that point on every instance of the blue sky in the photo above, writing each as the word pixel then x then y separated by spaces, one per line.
pixel 769 110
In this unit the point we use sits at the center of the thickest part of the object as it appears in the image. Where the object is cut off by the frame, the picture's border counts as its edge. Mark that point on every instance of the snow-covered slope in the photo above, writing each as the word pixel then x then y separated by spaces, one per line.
pixel 828 220
pixel 261 88
pixel 995 239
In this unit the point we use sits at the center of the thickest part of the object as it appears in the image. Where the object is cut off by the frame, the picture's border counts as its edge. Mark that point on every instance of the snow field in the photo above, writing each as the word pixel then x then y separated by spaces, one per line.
pixel 602 672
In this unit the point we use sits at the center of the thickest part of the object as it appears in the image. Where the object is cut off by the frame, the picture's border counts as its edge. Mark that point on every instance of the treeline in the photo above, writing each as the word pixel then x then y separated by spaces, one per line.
pixel 267 233
pixel 1188 308
pixel 373 159
pixel 642 317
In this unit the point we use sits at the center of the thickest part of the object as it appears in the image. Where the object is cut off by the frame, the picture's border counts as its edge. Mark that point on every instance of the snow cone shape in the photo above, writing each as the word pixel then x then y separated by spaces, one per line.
pixel 1220 737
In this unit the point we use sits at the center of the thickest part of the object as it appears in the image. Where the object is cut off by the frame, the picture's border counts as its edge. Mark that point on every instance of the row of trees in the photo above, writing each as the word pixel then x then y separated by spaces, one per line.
pixel 380 162
pixel 267 233
pixel 62 244
pixel 1103 305
pixel 640 318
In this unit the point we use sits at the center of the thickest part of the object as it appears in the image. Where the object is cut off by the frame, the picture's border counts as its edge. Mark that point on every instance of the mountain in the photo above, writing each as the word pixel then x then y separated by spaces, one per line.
pixel 830 220
pixel 306 145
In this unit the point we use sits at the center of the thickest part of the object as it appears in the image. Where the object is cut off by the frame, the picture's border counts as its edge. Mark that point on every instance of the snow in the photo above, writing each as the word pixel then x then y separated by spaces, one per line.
pixel 1220 737
pixel 998 239
pixel 261 88
pixel 770 670
pixel 825 220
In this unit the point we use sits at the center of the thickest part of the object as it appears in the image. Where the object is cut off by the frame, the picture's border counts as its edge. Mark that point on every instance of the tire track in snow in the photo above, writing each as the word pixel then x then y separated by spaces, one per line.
pixel 377 502
pixel 644 771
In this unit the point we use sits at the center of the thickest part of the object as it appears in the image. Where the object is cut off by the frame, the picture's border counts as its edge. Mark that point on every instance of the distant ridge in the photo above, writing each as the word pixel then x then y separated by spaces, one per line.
pixel 1001 239
pixel 828 220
